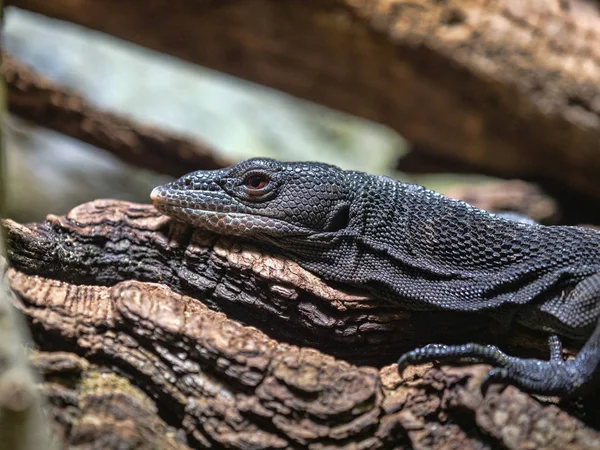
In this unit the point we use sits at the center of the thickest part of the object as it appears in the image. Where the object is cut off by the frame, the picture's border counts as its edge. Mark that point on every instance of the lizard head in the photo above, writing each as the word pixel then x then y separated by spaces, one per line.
pixel 260 197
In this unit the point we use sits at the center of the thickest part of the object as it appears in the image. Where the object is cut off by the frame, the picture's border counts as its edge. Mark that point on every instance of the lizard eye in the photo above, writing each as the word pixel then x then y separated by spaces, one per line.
pixel 255 181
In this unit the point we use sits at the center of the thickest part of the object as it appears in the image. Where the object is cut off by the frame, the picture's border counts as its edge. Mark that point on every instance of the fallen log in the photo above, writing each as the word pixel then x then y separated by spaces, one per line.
pixel 179 338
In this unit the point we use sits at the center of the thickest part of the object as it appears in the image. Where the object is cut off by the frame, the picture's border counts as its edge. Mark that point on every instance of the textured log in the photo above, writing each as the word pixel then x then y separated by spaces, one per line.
pixel 157 367
pixel 219 384
pixel 93 407
pixel 106 242
pixel 510 87
pixel 37 99
pixel 216 379
pixel 22 422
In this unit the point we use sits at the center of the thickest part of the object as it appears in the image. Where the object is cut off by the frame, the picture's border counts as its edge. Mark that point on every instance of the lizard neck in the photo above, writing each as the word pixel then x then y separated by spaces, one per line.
pixel 412 245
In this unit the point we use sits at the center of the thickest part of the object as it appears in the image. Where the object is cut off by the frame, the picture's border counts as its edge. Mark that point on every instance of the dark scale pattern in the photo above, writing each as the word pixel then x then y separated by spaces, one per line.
pixel 412 247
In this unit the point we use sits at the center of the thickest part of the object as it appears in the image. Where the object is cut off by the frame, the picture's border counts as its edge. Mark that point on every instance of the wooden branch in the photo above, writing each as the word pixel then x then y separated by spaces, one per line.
pixel 509 87
pixel 37 99
pixel 184 374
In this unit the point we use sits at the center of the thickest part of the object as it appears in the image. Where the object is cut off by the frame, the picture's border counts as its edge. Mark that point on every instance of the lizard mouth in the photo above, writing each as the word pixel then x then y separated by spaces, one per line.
pixel 200 200
pixel 215 211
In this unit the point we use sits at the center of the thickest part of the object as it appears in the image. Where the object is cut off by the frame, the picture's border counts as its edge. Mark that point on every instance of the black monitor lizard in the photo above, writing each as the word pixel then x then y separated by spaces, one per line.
pixel 417 249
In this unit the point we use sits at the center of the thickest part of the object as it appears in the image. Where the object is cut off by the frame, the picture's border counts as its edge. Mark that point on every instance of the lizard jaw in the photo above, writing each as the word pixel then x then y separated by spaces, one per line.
pixel 228 221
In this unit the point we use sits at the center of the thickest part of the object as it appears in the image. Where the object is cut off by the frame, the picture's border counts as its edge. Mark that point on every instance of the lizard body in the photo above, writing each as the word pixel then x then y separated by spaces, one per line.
pixel 417 249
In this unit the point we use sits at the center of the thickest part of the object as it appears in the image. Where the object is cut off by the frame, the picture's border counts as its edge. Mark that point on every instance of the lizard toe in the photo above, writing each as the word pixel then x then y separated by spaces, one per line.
pixel 428 353
pixel 554 377
pixel 495 375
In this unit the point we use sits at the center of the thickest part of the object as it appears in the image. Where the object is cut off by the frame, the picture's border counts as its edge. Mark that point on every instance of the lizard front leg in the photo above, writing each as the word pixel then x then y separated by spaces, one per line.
pixel 552 377
pixel 555 376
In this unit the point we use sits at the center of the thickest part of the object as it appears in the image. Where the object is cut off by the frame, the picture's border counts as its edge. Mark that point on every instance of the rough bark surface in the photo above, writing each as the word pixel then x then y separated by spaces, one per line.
pixel 94 407
pixel 23 425
pixel 509 87
pixel 133 362
pixel 37 99
pixel 108 241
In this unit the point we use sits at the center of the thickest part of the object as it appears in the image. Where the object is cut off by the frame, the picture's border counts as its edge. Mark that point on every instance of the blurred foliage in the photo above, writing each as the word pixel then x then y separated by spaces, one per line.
pixel 50 173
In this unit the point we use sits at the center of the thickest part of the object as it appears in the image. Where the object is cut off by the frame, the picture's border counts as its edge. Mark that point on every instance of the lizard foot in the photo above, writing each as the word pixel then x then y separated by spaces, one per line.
pixel 553 377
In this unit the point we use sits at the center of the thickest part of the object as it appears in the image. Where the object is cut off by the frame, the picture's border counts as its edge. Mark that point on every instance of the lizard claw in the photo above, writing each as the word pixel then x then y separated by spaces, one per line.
pixel 548 377
pixel 424 354
pixel 493 376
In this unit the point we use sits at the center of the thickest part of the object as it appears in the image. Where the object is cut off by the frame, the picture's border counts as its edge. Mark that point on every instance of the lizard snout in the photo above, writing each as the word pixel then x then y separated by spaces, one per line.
pixel 156 193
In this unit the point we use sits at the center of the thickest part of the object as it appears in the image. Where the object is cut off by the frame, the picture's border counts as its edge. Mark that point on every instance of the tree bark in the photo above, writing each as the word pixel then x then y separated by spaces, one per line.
pixel 509 87
pixel 148 365
pixel 23 425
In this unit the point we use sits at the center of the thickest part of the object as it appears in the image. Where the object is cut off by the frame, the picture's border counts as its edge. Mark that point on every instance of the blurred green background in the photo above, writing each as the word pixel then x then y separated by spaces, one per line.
pixel 51 173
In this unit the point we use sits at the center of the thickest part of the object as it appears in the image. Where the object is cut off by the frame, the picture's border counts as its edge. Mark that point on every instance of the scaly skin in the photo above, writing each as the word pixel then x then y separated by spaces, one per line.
pixel 417 249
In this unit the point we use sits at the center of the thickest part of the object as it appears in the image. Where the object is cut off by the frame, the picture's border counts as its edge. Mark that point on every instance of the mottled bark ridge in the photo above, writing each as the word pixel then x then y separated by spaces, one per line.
pixel 154 364
pixel 106 242
pixel 23 425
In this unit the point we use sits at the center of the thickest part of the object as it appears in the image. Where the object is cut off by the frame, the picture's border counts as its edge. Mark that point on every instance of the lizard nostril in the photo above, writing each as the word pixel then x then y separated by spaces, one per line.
pixel 156 193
